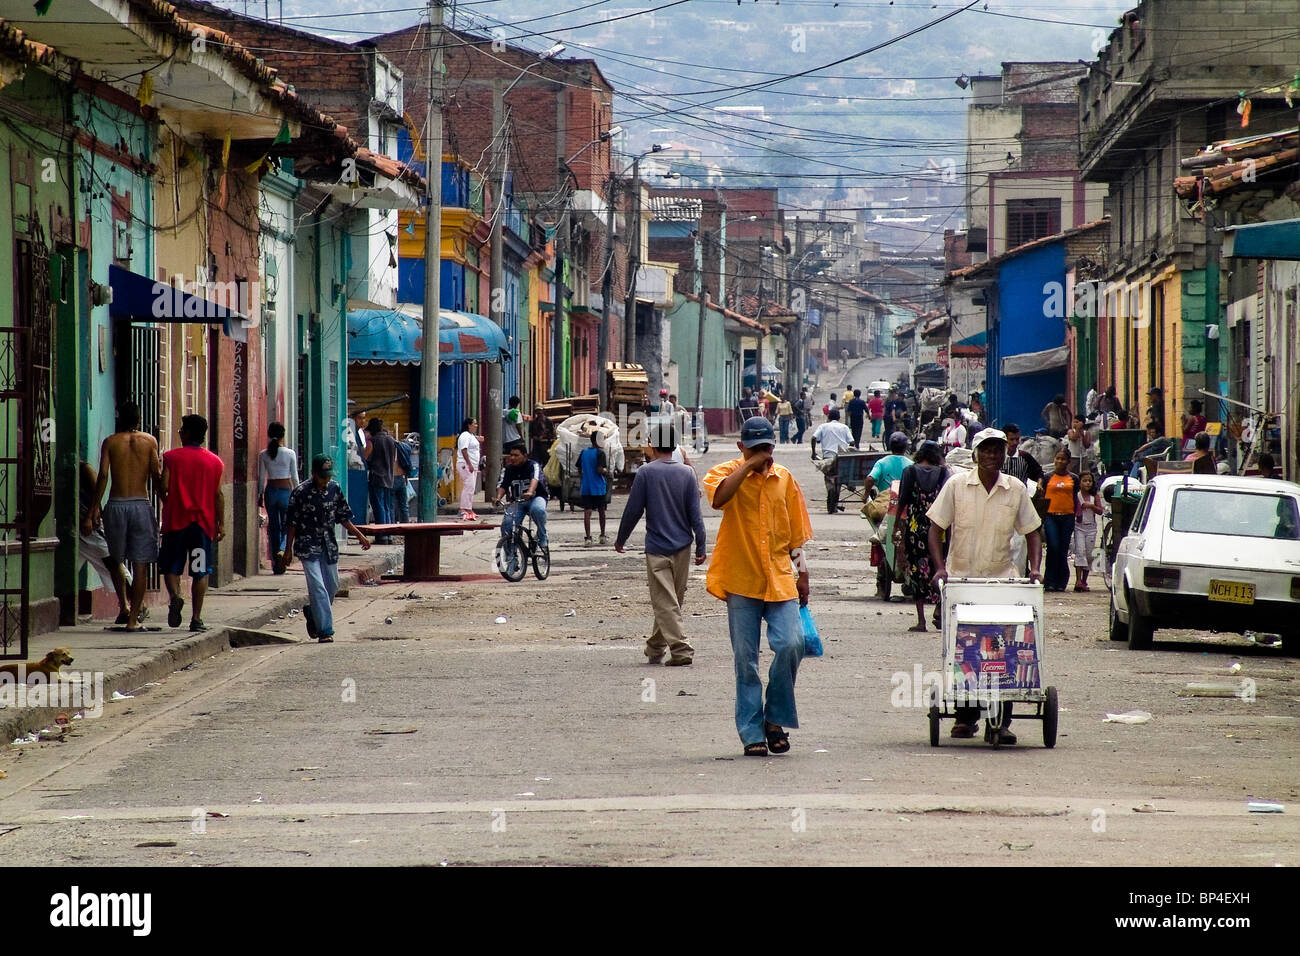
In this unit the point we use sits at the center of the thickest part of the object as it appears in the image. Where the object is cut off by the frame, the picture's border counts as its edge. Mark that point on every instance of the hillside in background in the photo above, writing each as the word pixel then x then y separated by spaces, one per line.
pixel 703 74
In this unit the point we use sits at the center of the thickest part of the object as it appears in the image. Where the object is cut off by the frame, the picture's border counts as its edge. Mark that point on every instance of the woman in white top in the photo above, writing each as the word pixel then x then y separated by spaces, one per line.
pixel 467 467
pixel 954 435
pixel 277 473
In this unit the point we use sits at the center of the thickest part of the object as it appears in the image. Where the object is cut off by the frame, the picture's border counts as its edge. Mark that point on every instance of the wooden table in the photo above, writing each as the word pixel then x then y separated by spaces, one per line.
pixel 423 558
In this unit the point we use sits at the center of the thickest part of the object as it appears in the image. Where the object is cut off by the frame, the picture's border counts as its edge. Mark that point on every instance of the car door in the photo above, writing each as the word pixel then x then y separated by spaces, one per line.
pixel 1129 555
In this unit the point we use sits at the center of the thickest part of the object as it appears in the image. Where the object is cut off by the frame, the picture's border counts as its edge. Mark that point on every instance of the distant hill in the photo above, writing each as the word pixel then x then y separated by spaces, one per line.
pixel 860 123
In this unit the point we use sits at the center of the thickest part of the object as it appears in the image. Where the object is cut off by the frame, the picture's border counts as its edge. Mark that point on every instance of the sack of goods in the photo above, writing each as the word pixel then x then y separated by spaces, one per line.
pixel 574 435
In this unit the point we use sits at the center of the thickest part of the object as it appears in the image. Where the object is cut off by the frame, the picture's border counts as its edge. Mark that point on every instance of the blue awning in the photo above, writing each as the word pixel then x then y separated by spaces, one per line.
pixel 395 337
pixel 141 299
pixel 1263 240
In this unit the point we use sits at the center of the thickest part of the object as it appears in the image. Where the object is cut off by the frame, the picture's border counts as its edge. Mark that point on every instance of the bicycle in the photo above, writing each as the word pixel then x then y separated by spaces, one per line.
pixel 513 554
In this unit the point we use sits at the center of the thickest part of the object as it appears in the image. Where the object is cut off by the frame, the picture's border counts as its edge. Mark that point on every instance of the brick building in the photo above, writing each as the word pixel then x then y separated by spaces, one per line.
pixel 555 115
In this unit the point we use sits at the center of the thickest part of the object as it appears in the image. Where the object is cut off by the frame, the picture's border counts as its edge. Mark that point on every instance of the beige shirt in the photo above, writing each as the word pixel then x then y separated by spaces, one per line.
pixel 981 524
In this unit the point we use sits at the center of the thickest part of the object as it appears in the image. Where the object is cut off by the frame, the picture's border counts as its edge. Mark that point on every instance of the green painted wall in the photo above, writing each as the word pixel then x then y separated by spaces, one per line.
pixel 34 106
pixel 683 321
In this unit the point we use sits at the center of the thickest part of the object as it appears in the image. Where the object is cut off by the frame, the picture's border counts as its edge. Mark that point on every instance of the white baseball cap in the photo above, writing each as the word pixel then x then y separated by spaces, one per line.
pixel 989 434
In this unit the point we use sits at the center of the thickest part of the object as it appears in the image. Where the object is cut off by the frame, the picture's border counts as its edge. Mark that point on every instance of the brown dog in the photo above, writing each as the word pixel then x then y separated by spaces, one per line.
pixel 48 665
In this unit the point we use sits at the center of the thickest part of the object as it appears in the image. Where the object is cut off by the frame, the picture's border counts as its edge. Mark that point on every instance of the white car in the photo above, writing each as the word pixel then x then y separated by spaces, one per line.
pixel 881 386
pixel 1210 551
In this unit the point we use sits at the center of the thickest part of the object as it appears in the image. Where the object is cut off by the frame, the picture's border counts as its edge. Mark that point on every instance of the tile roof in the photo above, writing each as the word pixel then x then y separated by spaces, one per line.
pixel 1020 250
pixel 1230 163
pixel 164 18
pixel 742 319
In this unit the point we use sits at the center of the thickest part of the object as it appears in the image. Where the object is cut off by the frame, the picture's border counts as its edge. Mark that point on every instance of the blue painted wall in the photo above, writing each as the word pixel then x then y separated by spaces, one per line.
pixel 1018 324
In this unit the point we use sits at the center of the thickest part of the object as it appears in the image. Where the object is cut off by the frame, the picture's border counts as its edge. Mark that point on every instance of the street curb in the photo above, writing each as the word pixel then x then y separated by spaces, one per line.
pixel 155 664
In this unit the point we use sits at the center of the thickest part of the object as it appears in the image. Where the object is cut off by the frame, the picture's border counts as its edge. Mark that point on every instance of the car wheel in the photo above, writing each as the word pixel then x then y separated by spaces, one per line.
pixel 1140 630
pixel 1117 630
pixel 1291 642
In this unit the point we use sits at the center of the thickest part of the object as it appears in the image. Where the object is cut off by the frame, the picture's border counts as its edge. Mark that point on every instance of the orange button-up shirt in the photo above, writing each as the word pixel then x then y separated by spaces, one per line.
pixel 762 522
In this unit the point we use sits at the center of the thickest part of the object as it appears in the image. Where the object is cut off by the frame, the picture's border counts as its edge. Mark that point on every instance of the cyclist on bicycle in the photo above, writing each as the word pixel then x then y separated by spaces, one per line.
pixel 522 481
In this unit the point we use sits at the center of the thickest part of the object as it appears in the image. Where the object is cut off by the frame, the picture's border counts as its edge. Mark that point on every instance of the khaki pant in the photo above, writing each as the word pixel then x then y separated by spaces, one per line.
pixel 667 575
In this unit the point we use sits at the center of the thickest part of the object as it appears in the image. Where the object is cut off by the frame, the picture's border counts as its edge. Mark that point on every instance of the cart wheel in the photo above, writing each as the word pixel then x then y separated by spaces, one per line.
pixel 1049 718
pixel 934 726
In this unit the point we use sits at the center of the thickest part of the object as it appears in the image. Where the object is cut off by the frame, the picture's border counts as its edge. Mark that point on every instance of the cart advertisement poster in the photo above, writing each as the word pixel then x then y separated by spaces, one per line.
pixel 998 657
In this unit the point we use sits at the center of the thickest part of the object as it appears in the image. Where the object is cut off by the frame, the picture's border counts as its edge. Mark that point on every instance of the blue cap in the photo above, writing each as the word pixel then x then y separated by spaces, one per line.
pixel 757 431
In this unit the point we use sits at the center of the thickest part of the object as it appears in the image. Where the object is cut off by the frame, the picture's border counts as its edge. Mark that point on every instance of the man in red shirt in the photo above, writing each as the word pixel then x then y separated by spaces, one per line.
pixel 193 518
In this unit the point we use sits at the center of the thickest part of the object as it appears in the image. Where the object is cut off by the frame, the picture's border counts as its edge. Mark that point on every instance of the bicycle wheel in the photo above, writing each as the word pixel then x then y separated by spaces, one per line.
pixel 541 557
pixel 510 557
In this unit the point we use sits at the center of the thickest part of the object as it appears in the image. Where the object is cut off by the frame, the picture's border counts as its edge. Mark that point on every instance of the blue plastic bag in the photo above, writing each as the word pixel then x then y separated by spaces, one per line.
pixel 812 642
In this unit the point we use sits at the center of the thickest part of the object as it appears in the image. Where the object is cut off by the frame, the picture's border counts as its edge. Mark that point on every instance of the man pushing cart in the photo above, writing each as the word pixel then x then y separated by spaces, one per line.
pixel 993 624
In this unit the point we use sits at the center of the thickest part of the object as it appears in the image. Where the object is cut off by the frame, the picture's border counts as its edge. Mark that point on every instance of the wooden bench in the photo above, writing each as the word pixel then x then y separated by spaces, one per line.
pixel 423 558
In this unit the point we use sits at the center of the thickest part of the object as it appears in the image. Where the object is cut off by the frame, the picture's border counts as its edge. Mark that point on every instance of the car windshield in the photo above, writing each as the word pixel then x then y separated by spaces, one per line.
pixel 1213 511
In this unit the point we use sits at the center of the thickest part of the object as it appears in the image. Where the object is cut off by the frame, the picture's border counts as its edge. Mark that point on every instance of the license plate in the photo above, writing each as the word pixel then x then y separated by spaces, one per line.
pixel 1232 592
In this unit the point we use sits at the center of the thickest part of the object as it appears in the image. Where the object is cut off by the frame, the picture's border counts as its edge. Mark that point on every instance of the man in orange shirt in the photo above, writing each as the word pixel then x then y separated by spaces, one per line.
pixel 758 568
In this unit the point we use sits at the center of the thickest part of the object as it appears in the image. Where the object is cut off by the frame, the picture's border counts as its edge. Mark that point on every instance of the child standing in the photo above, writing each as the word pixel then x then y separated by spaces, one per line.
pixel 1085 528
pixel 594 468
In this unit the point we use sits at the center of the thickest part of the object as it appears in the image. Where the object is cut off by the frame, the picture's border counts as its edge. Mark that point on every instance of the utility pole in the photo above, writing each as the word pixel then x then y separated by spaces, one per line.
pixel 496 299
pixel 606 293
pixel 699 359
pixel 557 320
pixel 633 264
pixel 432 269
pixel 700 236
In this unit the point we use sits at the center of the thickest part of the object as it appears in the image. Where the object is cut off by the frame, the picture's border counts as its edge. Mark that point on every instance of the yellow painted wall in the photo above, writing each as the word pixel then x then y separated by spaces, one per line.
pixel 179 248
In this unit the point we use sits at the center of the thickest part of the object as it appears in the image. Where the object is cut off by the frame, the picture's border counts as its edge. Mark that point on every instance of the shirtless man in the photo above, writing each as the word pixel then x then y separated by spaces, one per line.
pixel 130 456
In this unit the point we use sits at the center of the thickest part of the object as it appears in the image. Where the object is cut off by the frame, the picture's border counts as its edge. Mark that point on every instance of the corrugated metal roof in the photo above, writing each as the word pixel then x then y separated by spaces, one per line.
pixel 676 208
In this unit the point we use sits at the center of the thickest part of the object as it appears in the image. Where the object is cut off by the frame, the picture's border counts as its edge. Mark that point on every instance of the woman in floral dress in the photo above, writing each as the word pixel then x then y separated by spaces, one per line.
pixel 917 491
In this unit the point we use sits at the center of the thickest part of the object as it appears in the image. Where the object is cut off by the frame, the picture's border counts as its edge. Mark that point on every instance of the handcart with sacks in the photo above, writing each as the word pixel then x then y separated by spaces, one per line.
pixel 993 655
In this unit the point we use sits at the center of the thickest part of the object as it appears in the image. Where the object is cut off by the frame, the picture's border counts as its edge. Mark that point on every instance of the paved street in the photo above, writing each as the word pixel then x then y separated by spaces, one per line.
pixel 430 733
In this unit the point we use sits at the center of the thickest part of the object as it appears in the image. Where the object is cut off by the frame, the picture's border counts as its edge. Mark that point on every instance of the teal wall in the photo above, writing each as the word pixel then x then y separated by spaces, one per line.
pixel 322 265
pixel 683 320
pixel 126 240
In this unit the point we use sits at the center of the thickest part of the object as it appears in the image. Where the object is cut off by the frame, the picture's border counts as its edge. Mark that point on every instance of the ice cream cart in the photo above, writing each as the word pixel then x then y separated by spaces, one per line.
pixel 993 655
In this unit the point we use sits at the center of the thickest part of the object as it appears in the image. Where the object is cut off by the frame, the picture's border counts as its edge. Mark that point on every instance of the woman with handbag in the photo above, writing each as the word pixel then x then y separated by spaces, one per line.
pixel 917 491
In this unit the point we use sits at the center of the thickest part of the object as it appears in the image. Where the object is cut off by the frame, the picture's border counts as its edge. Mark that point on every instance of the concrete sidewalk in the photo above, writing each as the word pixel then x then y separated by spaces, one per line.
pixel 232 614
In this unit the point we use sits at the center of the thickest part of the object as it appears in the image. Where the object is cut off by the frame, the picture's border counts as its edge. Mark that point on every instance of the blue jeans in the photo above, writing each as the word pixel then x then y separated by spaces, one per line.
pixel 785 638
pixel 1059 531
pixel 277 511
pixel 322 585
pixel 536 508
pixel 381 503
pixel 401 502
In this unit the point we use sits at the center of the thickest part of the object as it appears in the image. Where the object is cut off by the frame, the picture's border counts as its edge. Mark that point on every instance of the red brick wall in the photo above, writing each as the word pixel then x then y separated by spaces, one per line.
pixel 323 71
pixel 238 399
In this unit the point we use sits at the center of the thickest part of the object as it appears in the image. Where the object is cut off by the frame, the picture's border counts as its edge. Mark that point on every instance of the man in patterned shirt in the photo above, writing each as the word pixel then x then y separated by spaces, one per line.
pixel 315 506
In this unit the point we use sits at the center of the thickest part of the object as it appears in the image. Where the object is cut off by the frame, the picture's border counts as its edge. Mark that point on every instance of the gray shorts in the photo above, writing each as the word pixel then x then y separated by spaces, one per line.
pixel 131 530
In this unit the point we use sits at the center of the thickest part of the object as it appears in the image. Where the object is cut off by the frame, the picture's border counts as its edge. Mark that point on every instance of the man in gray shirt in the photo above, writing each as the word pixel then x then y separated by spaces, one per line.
pixel 666 493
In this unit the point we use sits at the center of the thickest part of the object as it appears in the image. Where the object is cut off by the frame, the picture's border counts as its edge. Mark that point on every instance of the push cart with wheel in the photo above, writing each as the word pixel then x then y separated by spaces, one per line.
pixel 993 655
pixel 846 476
